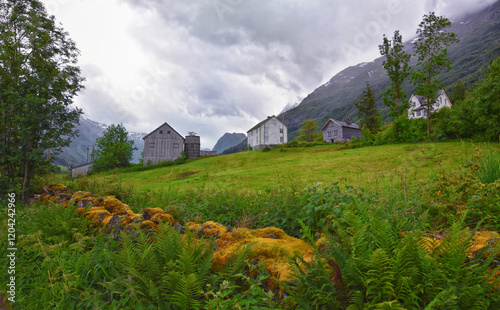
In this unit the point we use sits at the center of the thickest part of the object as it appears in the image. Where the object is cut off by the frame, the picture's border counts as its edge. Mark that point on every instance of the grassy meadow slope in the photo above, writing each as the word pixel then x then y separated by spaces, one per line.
pixel 257 171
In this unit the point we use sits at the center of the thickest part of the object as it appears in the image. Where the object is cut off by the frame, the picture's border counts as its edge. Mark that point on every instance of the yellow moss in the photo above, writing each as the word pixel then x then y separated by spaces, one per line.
pixel 80 196
pixel 270 232
pixel 105 220
pixel 153 211
pixel 147 225
pixel 114 205
pixel 131 214
pixel 209 228
pixel 97 215
pixel 271 245
pixel 322 242
pixel 60 188
pixel 162 217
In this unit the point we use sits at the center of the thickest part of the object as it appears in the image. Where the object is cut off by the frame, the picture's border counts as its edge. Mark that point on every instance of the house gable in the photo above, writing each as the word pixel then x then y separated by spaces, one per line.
pixel 164 131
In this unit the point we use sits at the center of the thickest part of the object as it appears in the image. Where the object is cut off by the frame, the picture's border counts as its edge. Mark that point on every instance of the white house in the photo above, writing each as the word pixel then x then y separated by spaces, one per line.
pixel 270 132
pixel 417 109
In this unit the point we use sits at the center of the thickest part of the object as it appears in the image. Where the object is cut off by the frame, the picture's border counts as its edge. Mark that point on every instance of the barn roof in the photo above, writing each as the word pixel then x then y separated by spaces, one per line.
pixel 267 119
pixel 144 138
pixel 341 123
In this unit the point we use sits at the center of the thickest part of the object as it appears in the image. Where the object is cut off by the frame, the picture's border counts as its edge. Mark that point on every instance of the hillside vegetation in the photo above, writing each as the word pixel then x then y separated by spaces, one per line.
pixel 256 171
pixel 422 233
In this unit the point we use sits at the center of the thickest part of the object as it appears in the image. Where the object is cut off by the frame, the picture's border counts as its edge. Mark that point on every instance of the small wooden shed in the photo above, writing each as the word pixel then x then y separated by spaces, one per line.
pixel 163 143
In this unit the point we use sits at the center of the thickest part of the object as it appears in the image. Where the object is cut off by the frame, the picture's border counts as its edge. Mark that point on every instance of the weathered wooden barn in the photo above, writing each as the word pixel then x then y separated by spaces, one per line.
pixel 80 170
pixel 163 143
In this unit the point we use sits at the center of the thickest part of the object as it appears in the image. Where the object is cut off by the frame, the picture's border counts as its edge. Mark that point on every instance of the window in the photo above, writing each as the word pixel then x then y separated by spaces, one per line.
pixel 330 133
pixel 168 132
pixel 417 113
pixel 281 130
pixel 335 132
pixel 281 139
pixel 161 132
pixel 151 145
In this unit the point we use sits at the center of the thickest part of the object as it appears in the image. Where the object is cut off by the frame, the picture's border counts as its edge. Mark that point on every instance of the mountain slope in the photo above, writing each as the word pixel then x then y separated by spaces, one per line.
pixel 81 147
pixel 228 140
pixel 479 45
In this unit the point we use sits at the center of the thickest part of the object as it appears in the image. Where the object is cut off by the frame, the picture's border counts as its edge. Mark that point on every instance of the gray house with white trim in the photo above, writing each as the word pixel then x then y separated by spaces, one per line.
pixel 339 131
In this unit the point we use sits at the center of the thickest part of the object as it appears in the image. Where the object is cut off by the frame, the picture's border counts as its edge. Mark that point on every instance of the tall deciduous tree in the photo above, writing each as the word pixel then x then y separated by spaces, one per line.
pixel 308 131
pixel 430 48
pixel 397 66
pixel 38 80
pixel 113 149
pixel 367 111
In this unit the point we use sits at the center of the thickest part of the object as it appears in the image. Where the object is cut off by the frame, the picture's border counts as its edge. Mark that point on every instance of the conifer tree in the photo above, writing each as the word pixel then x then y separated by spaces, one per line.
pixel 367 112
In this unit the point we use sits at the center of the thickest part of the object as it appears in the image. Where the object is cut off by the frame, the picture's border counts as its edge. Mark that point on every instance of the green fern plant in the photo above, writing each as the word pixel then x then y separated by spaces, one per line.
pixel 380 277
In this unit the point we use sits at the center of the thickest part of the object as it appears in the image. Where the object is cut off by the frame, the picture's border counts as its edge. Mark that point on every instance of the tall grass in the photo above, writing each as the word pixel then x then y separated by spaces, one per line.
pixel 490 167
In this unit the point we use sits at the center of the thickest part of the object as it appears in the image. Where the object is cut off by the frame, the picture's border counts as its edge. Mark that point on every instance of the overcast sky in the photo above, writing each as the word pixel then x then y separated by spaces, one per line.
pixel 216 66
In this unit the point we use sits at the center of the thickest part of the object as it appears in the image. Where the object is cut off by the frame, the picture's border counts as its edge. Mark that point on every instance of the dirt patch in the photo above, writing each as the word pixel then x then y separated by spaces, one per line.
pixel 187 174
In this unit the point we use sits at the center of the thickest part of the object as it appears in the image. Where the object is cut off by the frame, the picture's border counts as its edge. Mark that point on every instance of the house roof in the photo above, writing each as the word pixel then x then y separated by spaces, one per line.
pixel 341 123
pixel 144 138
pixel 264 121
pixel 421 99
pixel 420 108
pixel 82 165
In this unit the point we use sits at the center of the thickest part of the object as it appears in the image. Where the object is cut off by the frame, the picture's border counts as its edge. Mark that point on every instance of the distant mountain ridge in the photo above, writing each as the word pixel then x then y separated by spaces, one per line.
pixel 81 147
pixel 479 45
pixel 228 140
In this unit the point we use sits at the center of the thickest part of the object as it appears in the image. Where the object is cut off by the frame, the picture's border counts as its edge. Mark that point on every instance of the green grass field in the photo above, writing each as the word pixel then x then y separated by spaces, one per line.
pixel 256 171
pixel 380 237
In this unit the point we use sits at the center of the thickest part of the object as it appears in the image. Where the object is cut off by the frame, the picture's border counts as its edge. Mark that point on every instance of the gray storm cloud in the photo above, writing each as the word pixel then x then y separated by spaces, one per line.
pixel 233 62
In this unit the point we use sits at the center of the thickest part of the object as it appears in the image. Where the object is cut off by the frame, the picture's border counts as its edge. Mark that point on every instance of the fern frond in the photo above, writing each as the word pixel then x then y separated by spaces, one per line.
pixel 188 293
pixel 357 301
pixel 407 296
pixel 380 278
pixel 389 305
pixel 447 299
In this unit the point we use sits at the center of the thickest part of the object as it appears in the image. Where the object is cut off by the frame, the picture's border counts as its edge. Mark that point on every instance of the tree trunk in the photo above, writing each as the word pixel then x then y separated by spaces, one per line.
pixel 428 119
pixel 25 178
